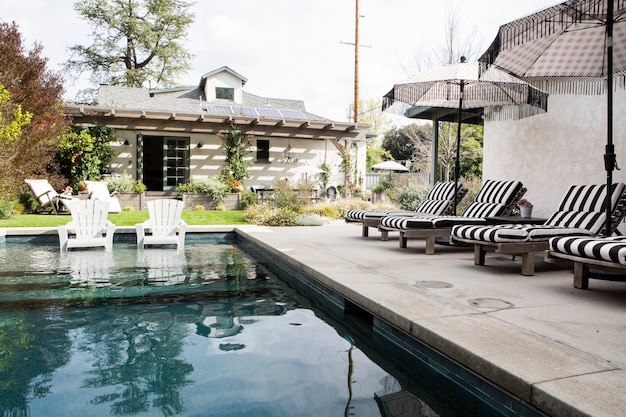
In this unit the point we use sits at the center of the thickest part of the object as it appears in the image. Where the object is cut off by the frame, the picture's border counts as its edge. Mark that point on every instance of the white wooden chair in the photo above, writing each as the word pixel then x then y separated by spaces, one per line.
pixel 164 225
pixel 47 196
pixel 98 190
pixel 89 226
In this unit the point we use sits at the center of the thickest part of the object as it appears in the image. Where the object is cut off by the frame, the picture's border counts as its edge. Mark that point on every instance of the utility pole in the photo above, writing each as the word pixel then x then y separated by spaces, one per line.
pixel 356 62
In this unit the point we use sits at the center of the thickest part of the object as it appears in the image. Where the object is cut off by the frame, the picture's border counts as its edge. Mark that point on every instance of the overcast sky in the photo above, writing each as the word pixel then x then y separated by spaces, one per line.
pixel 294 49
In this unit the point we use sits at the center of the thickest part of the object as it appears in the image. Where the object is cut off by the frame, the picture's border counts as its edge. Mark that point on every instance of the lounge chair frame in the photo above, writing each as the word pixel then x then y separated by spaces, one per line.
pixel 582 267
pixel 431 235
pixel 527 250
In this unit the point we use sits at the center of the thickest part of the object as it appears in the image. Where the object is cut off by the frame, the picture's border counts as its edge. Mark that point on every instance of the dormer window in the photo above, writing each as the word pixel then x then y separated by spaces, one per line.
pixel 225 93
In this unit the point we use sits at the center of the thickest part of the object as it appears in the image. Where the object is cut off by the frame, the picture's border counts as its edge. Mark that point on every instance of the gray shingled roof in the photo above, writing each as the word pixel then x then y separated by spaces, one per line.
pixel 189 100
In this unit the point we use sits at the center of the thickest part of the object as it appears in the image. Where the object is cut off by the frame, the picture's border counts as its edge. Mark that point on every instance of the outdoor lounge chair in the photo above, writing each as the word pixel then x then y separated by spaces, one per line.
pixel 99 190
pixel 438 202
pixel 165 226
pixel 495 198
pixel 580 213
pixel 89 226
pixel 590 253
pixel 47 197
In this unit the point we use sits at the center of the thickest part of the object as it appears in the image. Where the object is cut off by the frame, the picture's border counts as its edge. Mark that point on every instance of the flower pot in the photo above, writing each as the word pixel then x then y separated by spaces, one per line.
pixel 526 211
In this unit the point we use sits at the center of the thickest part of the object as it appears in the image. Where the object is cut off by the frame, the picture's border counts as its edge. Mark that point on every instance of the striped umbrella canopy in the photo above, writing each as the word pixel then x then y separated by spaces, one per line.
pixel 575 47
pixel 458 86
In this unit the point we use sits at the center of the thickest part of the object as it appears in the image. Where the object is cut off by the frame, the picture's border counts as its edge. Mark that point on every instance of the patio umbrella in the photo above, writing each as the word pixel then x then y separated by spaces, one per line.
pixel 570 48
pixel 390 166
pixel 306 169
pixel 458 86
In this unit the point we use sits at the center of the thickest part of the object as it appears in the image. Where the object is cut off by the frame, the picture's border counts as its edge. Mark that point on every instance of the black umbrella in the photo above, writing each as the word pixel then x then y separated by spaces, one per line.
pixel 459 87
pixel 569 47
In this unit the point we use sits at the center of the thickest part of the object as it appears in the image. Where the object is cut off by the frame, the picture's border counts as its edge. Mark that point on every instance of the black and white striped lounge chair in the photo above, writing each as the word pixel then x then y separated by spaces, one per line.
pixel 580 213
pixel 495 198
pixel 588 254
pixel 439 201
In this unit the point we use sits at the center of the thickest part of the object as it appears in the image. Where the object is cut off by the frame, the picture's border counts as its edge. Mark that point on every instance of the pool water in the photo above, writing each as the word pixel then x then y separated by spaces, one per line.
pixel 207 331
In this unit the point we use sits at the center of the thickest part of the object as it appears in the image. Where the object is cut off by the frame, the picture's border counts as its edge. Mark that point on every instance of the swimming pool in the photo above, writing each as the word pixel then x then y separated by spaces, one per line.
pixel 202 332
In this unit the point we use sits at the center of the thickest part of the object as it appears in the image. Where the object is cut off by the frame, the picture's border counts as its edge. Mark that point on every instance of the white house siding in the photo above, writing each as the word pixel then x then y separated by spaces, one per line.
pixel 551 151
pixel 208 160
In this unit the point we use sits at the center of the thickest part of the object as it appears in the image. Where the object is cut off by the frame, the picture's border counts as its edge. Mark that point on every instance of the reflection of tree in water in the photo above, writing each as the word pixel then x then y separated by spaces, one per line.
pixel 137 359
pixel 28 357
pixel 136 343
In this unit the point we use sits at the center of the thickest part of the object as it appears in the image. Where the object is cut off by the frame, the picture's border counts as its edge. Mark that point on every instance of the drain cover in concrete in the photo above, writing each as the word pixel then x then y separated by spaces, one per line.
pixel 432 284
pixel 490 303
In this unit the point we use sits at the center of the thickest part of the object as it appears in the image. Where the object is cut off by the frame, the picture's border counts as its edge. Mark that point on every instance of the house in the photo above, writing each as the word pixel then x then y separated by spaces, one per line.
pixel 170 136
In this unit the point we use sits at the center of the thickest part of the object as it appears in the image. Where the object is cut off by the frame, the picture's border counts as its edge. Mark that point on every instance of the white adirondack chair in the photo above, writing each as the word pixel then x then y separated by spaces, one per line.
pixel 89 226
pixel 98 190
pixel 165 226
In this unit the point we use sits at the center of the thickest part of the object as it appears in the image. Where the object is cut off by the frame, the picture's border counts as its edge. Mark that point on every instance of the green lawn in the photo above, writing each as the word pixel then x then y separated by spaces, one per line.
pixel 128 218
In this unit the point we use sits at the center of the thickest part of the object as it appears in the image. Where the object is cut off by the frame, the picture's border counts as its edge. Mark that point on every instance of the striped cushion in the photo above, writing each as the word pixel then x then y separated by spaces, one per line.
pixel 592 221
pixel 435 207
pixel 590 197
pixel 357 215
pixel 514 233
pixel 501 192
pixel 442 191
pixel 478 209
pixel 610 249
pixel 426 222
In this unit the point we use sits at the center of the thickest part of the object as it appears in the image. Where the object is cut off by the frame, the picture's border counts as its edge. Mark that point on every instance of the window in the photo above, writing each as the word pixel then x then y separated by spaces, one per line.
pixel 262 150
pixel 224 93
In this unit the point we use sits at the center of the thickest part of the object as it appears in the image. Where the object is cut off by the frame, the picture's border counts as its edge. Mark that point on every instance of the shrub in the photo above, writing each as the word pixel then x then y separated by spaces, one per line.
pixel 311 220
pixel 265 215
pixel 408 194
pixel 212 187
pixel 198 207
pixel 220 207
pixel 248 198
pixel 8 208
pixel 121 184
pixel 128 208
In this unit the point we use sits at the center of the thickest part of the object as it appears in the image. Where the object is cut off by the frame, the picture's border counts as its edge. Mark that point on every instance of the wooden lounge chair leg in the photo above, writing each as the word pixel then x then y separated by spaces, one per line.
pixel 479 255
pixel 365 231
pixel 528 264
pixel 403 240
pixel 581 275
pixel 430 245
pixel 384 235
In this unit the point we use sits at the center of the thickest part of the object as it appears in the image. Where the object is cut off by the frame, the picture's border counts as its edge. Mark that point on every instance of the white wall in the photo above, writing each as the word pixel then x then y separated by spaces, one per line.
pixel 552 151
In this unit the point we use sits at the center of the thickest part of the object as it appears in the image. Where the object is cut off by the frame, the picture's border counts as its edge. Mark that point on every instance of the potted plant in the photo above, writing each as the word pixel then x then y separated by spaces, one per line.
pixel 525 208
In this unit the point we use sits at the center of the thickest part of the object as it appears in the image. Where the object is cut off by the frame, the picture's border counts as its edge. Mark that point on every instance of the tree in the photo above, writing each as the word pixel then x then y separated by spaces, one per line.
pixel 411 142
pixel 85 155
pixel 134 41
pixel 37 92
pixel 471 153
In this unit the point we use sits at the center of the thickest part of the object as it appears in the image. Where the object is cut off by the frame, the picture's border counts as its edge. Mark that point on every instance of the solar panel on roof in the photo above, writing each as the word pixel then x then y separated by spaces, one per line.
pixel 219 110
pixel 249 111
pixel 270 113
pixel 293 114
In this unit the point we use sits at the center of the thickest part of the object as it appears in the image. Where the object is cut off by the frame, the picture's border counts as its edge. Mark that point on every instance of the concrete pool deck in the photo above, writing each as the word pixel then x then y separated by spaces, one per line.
pixel 561 349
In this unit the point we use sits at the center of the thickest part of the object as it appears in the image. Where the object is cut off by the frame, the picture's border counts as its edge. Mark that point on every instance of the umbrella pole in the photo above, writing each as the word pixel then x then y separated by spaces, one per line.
pixel 609 156
pixel 457 165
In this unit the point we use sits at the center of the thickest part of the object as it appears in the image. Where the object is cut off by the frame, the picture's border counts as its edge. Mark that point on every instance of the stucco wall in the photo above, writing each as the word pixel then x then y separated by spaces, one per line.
pixel 208 160
pixel 551 151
